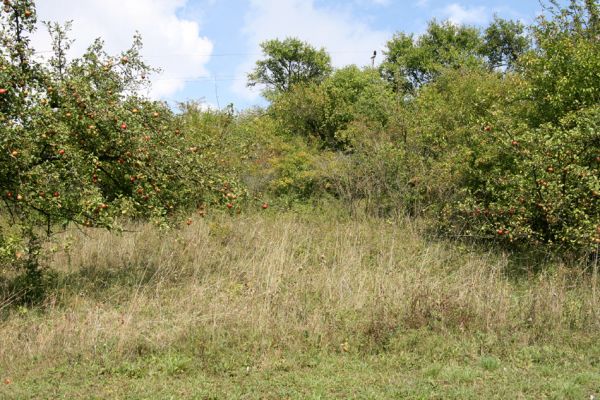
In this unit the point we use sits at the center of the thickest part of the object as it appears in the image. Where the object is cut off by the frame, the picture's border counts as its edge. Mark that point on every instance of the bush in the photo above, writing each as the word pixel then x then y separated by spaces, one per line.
pixel 323 112
pixel 539 185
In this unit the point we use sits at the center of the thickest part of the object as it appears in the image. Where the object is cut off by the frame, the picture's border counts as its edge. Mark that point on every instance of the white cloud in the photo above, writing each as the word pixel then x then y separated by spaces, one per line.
pixel 345 37
pixel 458 15
pixel 170 42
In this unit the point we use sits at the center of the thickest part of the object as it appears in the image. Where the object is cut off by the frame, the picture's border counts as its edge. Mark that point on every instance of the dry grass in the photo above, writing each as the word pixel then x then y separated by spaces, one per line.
pixel 262 283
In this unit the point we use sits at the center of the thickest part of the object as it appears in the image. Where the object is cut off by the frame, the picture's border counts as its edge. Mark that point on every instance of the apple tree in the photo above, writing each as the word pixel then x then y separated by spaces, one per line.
pixel 532 170
pixel 80 145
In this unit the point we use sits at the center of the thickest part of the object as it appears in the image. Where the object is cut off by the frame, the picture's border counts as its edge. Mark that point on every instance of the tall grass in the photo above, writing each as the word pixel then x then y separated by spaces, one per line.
pixel 266 282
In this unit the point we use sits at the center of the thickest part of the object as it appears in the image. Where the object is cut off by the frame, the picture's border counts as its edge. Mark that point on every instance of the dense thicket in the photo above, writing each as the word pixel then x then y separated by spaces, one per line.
pixel 491 134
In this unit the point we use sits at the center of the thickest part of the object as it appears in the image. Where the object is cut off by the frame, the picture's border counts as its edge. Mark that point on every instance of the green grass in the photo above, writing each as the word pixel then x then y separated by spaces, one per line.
pixel 279 306
pixel 418 365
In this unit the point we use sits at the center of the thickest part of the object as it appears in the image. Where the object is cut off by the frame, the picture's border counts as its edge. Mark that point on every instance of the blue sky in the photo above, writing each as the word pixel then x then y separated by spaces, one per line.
pixel 206 47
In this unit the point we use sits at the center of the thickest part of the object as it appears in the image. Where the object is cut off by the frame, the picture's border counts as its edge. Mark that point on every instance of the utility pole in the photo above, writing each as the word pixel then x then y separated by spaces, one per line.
pixel 373 58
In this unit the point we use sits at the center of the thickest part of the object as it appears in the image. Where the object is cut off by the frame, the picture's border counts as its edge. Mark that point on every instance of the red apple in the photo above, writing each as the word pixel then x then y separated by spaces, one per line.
pixel 3 91
pixel 61 152
pixel 229 205
pixel 56 194
pixel 265 206
pixel 123 126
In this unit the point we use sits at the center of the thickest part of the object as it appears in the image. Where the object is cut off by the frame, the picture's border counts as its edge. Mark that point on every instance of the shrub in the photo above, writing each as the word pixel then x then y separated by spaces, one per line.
pixel 324 111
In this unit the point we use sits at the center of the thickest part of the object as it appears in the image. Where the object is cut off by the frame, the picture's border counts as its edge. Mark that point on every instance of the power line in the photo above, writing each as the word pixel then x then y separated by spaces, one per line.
pixel 199 79
pixel 221 54
pixel 213 78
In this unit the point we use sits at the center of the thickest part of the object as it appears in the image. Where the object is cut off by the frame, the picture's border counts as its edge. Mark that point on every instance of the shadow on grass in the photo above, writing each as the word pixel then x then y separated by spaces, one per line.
pixel 97 282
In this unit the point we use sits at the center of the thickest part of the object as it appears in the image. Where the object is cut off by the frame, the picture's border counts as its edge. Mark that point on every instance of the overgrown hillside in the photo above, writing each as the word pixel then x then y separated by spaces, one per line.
pixel 429 228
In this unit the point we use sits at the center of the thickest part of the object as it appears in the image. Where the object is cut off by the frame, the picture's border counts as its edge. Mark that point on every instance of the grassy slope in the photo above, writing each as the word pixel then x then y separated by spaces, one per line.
pixel 282 307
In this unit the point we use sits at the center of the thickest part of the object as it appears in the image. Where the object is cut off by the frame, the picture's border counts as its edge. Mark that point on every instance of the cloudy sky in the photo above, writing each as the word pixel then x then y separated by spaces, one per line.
pixel 206 47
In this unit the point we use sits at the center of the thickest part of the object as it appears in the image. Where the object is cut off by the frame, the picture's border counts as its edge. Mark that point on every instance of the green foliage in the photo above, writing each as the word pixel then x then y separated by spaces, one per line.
pixel 288 63
pixel 78 144
pixel 483 172
pixel 562 71
pixel 410 63
pixel 539 185
pixel 504 43
pixel 284 168
pixel 302 111
pixel 442 132
pixel 325 111
pixel 486 136
pixel 373 180
pixel 510 155
pixel 534 177
pixel 496 141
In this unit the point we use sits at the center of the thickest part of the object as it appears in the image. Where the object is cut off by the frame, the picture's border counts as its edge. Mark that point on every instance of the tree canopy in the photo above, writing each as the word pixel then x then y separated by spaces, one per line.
pixel 287 63
pixel 412 62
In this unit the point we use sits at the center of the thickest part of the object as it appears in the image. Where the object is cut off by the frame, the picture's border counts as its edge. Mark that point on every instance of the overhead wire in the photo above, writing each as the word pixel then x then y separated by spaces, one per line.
pixel 211 78
pixel 222 54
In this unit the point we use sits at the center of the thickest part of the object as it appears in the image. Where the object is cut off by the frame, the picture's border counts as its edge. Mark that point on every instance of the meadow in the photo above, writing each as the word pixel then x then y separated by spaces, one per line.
pixel 289 305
